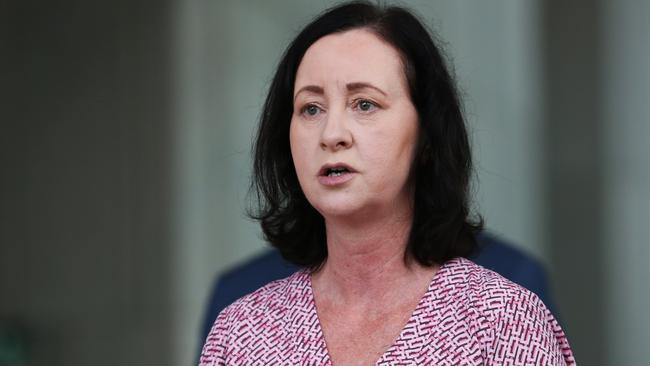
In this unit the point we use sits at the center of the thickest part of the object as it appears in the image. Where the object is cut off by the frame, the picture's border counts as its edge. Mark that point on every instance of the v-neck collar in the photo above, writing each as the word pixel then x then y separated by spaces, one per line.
pixel 428 299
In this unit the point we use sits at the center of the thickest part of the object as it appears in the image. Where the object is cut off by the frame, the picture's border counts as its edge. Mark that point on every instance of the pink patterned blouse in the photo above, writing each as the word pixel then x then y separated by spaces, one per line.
pixel 468 316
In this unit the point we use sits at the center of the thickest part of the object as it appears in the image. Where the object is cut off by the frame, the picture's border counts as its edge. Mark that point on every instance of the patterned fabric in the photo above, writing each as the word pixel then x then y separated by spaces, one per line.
pixel 468 316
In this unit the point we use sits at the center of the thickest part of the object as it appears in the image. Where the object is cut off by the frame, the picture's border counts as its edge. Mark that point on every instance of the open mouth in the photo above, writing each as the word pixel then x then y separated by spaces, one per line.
pixel 335 172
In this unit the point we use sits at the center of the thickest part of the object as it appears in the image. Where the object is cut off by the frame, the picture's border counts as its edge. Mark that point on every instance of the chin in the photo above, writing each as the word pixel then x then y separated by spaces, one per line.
pixel 344 209
pixel 338 213
pixel 335 208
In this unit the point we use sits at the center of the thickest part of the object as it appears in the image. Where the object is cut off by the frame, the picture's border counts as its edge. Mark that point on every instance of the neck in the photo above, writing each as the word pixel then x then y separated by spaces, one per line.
pixel 366 258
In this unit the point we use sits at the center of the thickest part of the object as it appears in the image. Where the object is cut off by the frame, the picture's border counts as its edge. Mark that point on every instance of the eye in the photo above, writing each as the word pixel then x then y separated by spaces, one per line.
pixel 310 110
pixel 365 105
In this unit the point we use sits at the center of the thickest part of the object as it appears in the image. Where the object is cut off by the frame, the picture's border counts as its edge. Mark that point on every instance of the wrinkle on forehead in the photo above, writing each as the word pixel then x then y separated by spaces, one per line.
pixel 354 56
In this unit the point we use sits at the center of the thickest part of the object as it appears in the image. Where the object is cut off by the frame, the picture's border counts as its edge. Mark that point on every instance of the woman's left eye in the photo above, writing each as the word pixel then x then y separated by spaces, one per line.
pixel 365 105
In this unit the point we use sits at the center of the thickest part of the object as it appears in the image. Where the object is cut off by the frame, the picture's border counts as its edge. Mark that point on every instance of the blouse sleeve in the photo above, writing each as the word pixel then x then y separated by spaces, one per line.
pixel 526 333
pixel 214 350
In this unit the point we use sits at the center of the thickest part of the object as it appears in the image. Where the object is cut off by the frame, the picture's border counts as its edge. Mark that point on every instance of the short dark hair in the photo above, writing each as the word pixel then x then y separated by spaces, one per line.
pixel 442 228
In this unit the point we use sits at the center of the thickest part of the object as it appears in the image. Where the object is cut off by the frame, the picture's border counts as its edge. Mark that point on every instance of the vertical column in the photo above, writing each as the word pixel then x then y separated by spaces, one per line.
pixel 626 160
pixel 573 133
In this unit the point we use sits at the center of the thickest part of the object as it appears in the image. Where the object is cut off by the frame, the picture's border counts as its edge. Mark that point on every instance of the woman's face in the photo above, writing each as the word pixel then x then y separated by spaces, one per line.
pixel 354 128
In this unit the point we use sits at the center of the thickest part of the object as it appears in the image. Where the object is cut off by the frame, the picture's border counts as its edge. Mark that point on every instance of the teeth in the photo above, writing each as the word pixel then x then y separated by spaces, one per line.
pixel 335 172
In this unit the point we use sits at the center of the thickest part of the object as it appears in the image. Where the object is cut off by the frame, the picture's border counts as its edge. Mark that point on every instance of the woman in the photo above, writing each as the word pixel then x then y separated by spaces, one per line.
pixel 362 167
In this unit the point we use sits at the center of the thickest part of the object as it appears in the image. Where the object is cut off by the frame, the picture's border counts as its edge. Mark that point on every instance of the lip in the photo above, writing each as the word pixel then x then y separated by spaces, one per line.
pixel 326 167
pixel 334 181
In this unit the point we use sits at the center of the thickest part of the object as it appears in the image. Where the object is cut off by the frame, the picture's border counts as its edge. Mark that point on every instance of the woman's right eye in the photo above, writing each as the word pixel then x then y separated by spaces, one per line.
pixel 310 110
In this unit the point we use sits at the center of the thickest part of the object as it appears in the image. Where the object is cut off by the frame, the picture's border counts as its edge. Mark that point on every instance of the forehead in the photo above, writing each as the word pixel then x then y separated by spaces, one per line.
pixel 356 55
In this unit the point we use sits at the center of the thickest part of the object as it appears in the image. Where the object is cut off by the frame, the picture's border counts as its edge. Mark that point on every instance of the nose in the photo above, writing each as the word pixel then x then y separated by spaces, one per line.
pixel 335 134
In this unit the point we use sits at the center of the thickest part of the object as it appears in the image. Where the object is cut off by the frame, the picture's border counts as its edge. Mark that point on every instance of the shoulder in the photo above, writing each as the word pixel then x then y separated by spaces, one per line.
pixel 510 319
pixel 485 289
pixel 514 264
pixel 274 296
pixel 249 276
pixel 462 281
pixel 254 311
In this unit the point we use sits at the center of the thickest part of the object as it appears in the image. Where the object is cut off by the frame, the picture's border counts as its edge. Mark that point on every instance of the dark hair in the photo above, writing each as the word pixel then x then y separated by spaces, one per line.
pixel 441 227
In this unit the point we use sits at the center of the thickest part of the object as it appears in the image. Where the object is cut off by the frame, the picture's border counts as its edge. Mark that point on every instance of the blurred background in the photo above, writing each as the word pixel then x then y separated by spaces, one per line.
pixel 125 140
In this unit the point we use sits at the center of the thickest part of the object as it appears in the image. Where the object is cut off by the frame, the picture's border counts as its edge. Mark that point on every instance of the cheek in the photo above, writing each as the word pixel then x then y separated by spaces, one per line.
pixel 393 152
pixel 395 146
pixel 298 153
pixel 294 145
pixel 405 139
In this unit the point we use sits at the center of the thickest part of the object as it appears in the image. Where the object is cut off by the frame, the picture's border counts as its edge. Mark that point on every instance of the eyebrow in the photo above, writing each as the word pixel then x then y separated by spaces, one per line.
pixel 361 85
pixel 310 88
pixel 350 87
